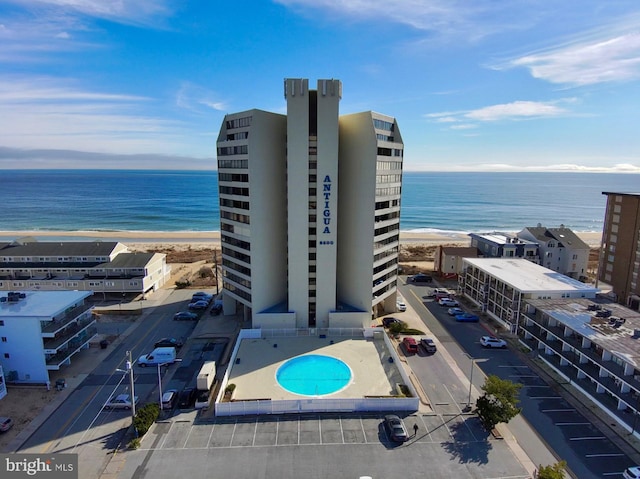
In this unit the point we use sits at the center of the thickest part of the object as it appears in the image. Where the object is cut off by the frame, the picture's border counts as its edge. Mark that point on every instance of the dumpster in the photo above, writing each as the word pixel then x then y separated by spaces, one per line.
pixel 61 384
pixel 103 344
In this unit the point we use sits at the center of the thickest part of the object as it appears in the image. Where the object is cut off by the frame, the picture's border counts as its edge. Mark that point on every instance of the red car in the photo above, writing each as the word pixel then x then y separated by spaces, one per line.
pixel 410 345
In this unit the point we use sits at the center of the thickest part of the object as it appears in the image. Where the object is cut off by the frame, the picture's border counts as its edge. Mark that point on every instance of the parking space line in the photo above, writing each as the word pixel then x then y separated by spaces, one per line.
pixel 545 397
pixel 572 424
pixel 277 430
pixel 454 399
pixel 557 410
pixel 233 433
pixel 522 376
pixel 320 429
pixel 255 432
pixel 167 434
pixel 587 438
pixel 364 434
pixel 211 434
pixel 187 438
pixel 341 429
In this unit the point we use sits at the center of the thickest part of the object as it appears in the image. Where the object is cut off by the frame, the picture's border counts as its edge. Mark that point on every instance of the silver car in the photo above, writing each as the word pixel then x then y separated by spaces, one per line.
pixel 121 401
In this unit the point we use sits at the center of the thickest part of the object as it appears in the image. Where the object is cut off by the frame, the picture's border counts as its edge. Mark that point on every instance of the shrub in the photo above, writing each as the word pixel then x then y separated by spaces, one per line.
pixel 230 388
pixel 205 272
pixel 145 417
pixel 181 284
pixel 397 328
pixel 134 443
pixel 411 331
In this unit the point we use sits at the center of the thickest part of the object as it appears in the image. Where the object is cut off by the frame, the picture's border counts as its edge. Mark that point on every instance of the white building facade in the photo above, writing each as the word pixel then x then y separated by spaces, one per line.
pixel 40 331
pixel 500 287
pixel 309 211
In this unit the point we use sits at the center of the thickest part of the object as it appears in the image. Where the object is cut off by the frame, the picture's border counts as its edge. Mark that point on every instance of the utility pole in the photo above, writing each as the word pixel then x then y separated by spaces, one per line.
pixel 133 393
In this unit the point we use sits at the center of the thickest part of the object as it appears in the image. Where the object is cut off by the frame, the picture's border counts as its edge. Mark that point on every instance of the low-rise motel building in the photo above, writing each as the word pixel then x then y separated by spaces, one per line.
pixel 40 331
pixel 594 344
pixel 500 286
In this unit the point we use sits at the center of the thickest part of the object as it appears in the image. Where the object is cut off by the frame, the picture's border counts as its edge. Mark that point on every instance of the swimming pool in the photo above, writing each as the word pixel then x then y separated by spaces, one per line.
pixel 313 375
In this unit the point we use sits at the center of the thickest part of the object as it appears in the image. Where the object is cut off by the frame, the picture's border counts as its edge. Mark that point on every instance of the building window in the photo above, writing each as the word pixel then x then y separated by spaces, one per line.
pixel 4 339
pixel 6 355
pixel 1 322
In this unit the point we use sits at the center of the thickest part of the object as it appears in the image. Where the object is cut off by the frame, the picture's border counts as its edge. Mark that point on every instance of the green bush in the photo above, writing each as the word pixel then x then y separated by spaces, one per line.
pixel 145 417
pixel 181 284
pixel 411 331
pixel 397 328
pixel 230 388
pixel 134 443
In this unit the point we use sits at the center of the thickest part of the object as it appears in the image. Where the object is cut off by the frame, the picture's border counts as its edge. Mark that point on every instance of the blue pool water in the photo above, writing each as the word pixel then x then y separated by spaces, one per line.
pixel 313 375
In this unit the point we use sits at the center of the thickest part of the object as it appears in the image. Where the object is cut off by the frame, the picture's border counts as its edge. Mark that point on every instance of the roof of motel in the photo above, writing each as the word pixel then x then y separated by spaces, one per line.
pixel 502 238
pixel 529 277
pixel 131 260
pixel 41 303
pixel 563 235
pixel 617 338
pixel 26 247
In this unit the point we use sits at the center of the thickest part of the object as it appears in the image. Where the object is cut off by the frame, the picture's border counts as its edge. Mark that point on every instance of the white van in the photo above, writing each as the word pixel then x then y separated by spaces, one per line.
pixel 158 356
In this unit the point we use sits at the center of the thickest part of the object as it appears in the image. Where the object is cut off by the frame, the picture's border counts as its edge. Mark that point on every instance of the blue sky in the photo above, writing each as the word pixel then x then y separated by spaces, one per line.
pixel 474 84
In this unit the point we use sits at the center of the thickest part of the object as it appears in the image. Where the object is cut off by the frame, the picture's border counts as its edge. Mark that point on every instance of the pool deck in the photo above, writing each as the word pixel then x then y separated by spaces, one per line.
pixel 259 359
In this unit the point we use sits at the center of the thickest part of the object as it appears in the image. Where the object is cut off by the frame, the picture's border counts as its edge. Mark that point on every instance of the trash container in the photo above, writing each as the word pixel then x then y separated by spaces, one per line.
pixel 103 344
pixel 61 384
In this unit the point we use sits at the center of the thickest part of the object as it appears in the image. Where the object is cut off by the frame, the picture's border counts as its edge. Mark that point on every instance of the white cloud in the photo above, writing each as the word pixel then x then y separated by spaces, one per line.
pixel 505 167
pixel 191 97
pixel 142 12
pixel 515 110
pixel 463 18
pixel 50 113
pixel 612 59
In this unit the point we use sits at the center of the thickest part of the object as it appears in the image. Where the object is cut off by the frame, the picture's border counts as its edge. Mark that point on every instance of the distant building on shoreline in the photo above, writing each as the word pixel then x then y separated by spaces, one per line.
pixel 620 254
pixel 104 267
pixel 309 211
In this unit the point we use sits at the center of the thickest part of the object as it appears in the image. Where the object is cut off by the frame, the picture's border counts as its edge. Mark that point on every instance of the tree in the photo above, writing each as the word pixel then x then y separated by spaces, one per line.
pixel 555 471
pixel 499 403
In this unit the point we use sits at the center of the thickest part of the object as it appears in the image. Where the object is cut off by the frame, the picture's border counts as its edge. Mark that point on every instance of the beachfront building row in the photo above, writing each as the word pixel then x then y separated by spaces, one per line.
pixel 309 211
pixel 41 331
pixel 105 267
pixel 594 344
pixel 620 253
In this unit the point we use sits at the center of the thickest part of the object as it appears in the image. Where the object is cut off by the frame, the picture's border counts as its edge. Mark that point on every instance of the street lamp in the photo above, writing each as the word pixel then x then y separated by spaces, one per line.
pixel 473 363
pixel 160 379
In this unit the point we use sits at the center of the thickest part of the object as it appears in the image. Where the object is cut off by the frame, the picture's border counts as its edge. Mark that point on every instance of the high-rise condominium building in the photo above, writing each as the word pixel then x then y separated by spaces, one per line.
pixel 620 255
pixel 309 211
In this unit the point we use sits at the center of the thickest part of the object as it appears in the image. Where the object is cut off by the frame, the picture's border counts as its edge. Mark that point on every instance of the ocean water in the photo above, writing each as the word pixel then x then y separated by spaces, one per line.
pixel 125 200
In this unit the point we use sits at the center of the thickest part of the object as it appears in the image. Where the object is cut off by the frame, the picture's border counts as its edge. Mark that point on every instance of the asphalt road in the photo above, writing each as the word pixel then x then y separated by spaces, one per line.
pixel 588 452
pixel 80 425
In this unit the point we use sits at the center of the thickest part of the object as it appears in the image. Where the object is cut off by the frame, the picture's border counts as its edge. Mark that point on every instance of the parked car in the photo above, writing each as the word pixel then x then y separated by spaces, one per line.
pixel 395 428
pixel 420 278
pixel 169 398
pixel 454 311
pixel 492 342
pixel 121 401
pixel 216 309
pixel 447 302
pixel 631 472
pixel 203 294
pixel 410 345
pixel 185 316
pixel 168 343
pixel 197 297
pixel 5 424
pixel 187 398
pixel 386 322
pixel 401 306
pixel 467 318
pixel 199 305
pixel 428 345
pixel 441 291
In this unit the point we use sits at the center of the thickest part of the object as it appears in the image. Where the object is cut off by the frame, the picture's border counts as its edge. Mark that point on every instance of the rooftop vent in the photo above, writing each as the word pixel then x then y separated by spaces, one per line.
pixel 636 333
pixel 605 313
pixel 14 296
pixel 594 307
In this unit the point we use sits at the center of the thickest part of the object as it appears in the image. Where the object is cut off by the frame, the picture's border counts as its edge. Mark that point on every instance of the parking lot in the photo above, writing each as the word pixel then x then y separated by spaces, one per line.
pixel 320 446
pixel 313 429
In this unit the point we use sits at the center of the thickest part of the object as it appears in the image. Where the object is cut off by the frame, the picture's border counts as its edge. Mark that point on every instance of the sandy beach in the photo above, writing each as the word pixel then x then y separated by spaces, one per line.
pixel 212 238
